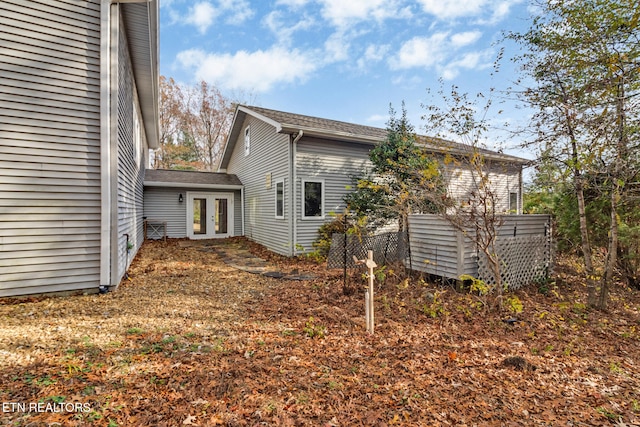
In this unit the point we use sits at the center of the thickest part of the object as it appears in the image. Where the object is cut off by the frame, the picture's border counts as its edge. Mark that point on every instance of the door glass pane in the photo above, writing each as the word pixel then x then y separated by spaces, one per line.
pixel 199 216
pixel 221 216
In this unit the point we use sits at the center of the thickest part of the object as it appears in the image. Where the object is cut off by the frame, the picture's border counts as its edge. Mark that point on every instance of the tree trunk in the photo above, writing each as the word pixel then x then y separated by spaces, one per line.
pixel 579 191
pixel 612 254
pixel 584 238
pixel 616 177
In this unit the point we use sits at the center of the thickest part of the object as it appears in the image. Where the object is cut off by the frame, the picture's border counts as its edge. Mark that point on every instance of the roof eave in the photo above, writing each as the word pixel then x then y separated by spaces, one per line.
pixel 164 184
pixel 335 135
pixel 498 157
pixel 143 16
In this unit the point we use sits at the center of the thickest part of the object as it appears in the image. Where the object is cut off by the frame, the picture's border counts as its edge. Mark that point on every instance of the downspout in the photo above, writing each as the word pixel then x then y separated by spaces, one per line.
pixel 105 153
pixel 294 179
pixel 113 141
pixel 242 207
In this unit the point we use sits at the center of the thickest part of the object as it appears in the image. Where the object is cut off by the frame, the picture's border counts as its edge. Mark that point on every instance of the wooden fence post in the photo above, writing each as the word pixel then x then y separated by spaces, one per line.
pixel 368 292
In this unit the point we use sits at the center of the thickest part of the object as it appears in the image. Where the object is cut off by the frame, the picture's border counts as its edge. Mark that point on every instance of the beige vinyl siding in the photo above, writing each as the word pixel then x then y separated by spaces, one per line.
pixel 269 154
pixel 333 163
pixel 504 179
pixel 130 161
pixel 49 146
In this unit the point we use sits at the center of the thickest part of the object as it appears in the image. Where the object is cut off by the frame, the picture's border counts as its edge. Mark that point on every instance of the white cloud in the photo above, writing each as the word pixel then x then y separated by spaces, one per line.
pixel 292 3
pixel 277 22
pixel 257 71
pixel 373 53
pixel 239 10
pixel 442 52
pixel 452 9
pixel 499 10
pixel 470 61
pixel 424 52
pixel 202 15
pixel 336 48
pixel 448 9
pixel 376 52
pixel 343 13
pixel 465 39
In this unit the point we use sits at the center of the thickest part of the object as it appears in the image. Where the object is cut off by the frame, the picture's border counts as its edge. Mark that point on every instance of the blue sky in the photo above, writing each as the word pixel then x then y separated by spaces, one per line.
pixel 345 59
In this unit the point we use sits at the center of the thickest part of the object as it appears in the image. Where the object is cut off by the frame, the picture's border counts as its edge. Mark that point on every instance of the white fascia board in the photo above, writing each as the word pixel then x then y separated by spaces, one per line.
pixel 188 185
pixel 266 119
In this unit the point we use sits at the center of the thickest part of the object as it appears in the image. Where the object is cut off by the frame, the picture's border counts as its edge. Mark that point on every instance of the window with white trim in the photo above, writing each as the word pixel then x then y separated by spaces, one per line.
pixel 513 202
pixel 280 199
pixel 247 140
pixel 312 199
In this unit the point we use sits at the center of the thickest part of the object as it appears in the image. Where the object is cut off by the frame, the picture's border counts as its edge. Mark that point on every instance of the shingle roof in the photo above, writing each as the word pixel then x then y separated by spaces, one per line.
pixel 300 121
pixel 291 123
pixel 214 179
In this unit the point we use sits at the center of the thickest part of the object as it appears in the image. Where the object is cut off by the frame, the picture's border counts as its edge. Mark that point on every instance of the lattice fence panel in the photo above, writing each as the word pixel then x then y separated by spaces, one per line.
pixel 386 247
pixel 524 260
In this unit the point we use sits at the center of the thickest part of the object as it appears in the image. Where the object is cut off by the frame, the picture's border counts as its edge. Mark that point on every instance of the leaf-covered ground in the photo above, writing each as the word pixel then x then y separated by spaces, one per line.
pixel 190 341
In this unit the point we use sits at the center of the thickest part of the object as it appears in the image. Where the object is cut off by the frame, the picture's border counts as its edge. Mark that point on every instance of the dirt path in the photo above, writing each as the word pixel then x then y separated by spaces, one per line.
pixel 171 288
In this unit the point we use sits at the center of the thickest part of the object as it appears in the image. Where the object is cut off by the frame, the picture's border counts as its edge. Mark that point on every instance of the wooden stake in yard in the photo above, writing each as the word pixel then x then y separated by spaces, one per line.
pixel 368 292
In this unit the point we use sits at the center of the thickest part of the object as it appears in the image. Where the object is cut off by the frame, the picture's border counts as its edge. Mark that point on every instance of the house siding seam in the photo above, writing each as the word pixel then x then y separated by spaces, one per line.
pixel 334 163
pixel 49 147
pixel 130 161
pixel 269 155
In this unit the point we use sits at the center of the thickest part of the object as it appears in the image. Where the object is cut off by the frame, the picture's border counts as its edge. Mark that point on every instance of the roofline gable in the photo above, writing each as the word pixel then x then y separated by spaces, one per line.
pixel 332 130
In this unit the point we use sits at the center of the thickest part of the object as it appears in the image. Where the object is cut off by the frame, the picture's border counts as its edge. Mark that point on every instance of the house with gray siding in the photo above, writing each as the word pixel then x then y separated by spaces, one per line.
pixel 78 113
pixel 296 170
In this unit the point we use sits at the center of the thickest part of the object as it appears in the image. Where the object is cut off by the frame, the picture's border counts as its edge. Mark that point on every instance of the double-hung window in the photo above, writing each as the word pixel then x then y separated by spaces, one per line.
pixel 313 198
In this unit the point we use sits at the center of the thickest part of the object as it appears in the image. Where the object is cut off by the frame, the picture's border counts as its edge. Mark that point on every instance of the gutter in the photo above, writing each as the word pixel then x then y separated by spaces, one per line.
pixel 190 185
pixel 242 208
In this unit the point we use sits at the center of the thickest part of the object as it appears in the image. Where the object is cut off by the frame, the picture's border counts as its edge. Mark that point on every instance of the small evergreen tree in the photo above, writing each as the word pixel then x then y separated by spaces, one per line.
pixel 399 180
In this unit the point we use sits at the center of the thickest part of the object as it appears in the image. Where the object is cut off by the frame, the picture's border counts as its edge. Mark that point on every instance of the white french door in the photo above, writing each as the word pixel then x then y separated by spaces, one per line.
pixel 209 215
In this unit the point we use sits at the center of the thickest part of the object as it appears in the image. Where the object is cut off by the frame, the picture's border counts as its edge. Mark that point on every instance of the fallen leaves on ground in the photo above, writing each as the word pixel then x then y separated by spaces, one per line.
pixel 190 341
